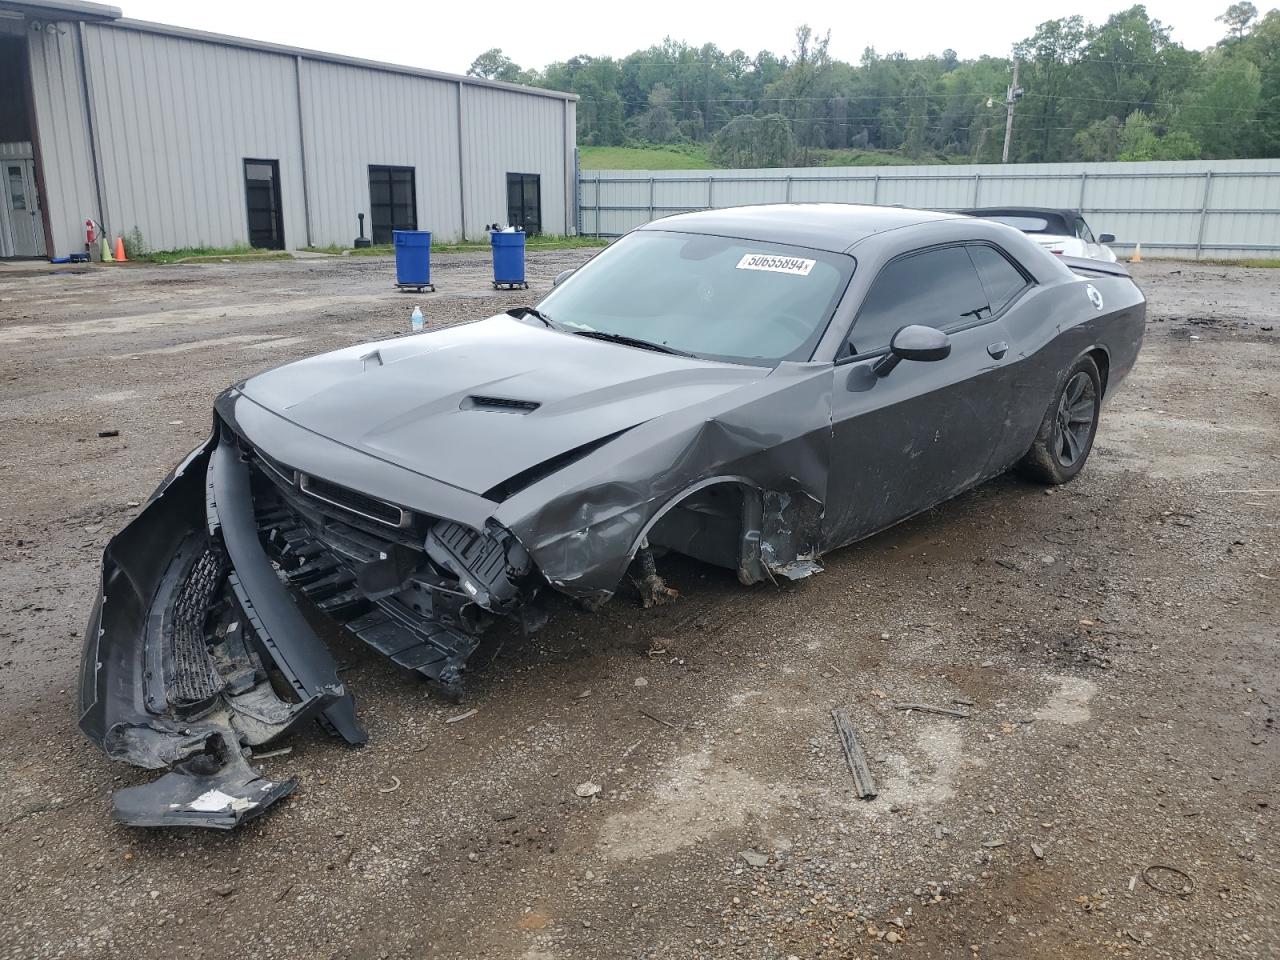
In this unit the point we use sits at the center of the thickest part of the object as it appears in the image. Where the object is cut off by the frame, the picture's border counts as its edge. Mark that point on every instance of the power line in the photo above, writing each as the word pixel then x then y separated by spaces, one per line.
pixel 929 97
pixel 961 121
pixel 783 63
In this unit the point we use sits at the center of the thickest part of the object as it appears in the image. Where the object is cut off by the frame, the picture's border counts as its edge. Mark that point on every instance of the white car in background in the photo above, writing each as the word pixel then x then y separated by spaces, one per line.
pixel 1059 231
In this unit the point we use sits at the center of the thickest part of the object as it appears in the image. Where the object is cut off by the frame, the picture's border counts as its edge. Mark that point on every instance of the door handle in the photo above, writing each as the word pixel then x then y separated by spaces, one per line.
pixel 998 349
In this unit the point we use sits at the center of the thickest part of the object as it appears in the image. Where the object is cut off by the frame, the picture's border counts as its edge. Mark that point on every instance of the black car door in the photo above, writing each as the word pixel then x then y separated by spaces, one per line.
pixel 904 442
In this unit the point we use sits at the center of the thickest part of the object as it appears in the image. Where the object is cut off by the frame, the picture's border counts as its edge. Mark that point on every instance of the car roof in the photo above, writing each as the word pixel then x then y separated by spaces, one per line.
pixel 835 227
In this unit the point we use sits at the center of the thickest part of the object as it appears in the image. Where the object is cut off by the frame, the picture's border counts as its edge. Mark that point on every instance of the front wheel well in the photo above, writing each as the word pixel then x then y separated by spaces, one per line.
pixel 706 524
pixel 1103 363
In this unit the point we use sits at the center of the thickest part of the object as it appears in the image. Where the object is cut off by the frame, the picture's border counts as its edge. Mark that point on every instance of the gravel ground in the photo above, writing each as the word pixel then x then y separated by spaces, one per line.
pixel 1116 638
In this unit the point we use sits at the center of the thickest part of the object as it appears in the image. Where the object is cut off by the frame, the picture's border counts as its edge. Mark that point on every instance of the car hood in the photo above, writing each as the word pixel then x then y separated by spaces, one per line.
pixel 421 401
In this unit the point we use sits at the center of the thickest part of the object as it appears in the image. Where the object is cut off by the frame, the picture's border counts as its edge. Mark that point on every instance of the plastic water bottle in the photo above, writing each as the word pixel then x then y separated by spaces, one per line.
pixel 416 321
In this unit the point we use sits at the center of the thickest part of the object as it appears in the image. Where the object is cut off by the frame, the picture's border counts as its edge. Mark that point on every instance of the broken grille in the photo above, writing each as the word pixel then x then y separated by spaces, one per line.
pixel 190 677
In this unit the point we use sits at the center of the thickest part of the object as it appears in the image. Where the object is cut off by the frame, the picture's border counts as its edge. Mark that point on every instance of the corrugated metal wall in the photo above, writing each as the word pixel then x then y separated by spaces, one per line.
pixel 175 113
pixel 504 133
pixel 356 117
pixel 62 128
pixel 175 120
pixel 1217 208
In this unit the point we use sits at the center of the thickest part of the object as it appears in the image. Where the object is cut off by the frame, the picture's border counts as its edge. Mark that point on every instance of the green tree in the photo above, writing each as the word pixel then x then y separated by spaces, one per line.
pixel 747 141
pixel 1139 140
pixel 1100 140
pixel 1262 48
pixel 1221 110
pixel 1084 83
pixel 495 65
pixel 799 92
pixel 1049 54
pixel 658 123
pixel 601 111
pixel 918 113
pixel 1237 17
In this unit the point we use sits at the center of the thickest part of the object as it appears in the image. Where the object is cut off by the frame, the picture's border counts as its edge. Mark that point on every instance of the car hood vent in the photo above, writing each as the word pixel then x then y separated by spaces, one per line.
pixel 500 404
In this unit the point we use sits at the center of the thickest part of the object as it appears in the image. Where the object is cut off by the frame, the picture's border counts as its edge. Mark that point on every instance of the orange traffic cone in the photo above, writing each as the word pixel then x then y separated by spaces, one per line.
pixel 120 250
pixel 1136 258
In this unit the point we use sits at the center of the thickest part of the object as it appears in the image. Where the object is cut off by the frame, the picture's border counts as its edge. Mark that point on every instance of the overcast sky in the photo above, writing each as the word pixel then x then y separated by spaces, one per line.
pixel 448 35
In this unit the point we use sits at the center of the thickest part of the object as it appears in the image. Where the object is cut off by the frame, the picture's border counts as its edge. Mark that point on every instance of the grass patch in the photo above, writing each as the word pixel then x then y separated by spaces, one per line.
pixel 212 254
pixel 695 156
pixel 333 248
pixel 878 158
pixel 545 242
pixel 690 156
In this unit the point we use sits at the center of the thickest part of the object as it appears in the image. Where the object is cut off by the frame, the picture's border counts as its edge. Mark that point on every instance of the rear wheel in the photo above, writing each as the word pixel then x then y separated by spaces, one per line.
pixel 1066 434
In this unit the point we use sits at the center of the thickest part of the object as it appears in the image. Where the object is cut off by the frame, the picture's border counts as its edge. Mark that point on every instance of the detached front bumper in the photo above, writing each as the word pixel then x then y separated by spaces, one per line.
pixel 196 651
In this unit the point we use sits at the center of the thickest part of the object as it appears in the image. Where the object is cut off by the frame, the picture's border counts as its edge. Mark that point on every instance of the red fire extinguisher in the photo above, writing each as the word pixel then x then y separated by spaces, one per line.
pixel 89 234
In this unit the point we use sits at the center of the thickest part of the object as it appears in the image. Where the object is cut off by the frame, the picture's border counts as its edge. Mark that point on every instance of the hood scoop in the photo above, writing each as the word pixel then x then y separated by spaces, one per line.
pixel 499 404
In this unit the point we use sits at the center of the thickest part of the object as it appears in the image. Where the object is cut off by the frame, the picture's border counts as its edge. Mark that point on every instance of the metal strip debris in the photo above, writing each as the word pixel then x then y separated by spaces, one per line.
pixel 863 781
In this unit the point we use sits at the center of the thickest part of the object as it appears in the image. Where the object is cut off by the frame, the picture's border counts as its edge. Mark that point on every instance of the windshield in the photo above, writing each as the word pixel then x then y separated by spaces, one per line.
pixel 713 297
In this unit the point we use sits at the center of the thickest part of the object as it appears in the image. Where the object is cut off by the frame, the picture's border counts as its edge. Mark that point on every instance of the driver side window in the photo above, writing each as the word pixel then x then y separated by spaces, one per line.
pixel 937 288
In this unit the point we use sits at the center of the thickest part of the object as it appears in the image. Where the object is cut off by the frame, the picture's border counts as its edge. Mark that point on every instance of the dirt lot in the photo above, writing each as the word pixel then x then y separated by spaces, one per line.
pixel 1117 637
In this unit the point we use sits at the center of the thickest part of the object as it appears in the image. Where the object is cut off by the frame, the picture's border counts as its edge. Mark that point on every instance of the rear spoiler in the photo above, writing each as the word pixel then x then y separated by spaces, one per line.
pixel 1094 268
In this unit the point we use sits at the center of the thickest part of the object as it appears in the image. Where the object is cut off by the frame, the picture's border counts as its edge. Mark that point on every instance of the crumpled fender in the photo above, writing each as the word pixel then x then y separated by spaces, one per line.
pixel 583 527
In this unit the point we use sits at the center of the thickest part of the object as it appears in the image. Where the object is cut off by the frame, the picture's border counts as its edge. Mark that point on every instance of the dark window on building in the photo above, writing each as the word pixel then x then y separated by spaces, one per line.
pixel 1002 280
pixel 262 196
pixel 15 125
pixel 524 201
pixel 937 288
pixel 393 201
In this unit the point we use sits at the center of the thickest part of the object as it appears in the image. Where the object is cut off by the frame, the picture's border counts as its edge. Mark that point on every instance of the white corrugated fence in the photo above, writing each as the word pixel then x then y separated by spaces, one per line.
pixel 1183 208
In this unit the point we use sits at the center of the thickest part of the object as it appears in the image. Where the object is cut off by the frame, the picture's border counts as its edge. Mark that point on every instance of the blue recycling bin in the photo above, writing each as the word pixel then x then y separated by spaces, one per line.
pixel 508 259
pixel 413 259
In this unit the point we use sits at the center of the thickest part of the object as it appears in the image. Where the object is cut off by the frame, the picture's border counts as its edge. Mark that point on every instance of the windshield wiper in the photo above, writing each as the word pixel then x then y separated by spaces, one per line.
pixel 521 312
pixel 626 341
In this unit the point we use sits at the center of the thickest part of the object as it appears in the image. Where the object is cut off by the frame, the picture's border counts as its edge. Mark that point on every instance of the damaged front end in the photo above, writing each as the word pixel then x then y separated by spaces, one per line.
pixel 196 652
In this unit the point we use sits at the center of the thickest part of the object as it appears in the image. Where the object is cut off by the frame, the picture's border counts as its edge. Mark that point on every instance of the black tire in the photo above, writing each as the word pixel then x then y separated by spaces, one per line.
pixel 1066 434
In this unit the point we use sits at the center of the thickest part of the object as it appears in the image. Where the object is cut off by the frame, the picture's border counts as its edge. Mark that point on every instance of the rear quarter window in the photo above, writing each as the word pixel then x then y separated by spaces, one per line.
pixel 1001 279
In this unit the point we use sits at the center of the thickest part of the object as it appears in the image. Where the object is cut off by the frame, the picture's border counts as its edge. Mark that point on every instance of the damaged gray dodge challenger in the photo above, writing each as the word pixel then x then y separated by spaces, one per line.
pixel 750 387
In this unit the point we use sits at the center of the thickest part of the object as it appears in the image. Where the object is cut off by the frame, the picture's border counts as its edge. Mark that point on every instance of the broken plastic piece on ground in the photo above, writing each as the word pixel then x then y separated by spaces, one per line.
pixel 214 788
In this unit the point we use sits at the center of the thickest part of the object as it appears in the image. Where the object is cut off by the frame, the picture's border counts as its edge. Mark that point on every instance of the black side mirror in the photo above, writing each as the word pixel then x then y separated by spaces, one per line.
pixel 562 276
pixel 1106 238
pixel 915 342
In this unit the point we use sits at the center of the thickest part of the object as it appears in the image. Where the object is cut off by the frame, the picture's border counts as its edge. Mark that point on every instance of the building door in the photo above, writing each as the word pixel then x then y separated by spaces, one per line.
pixel 393 201
pixel 524 201
pixel 266 212
pixel 22 208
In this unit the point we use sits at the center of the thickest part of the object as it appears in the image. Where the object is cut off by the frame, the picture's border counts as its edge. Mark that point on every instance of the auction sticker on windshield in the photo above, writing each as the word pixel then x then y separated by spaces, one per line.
pixel 763 261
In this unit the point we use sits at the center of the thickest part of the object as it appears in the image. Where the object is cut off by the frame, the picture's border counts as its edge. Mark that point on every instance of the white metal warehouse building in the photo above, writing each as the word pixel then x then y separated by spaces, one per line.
pixel 202 140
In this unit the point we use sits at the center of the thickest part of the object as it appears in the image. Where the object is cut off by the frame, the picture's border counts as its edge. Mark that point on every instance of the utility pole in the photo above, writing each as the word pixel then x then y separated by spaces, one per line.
pixel 1013 96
